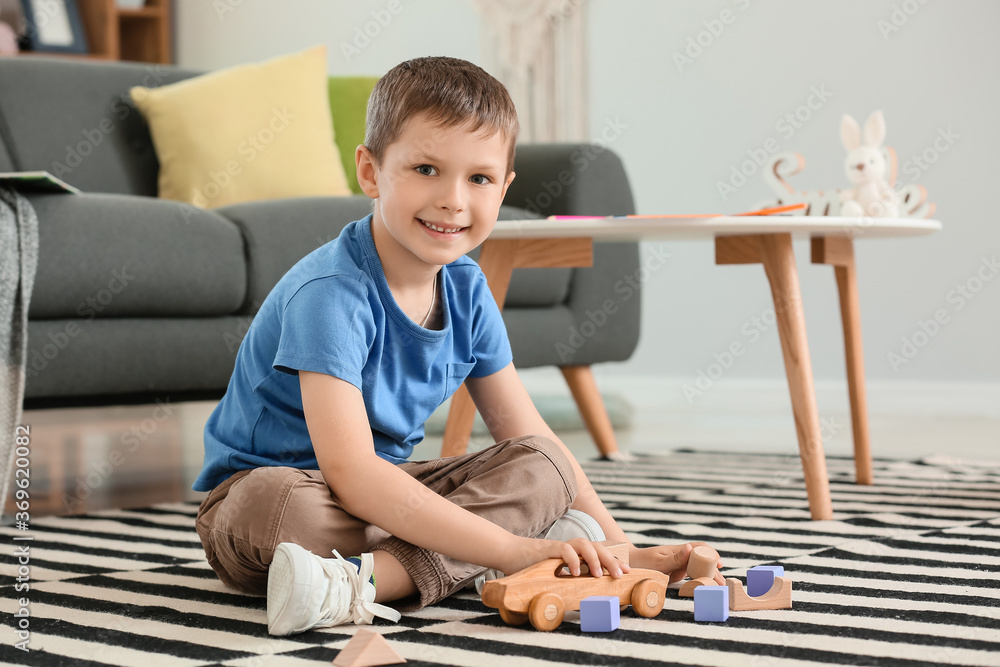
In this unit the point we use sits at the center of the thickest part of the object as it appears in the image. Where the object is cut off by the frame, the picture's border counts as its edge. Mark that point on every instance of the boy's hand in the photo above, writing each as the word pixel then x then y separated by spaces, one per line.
pixel 670 560
pixel 598 558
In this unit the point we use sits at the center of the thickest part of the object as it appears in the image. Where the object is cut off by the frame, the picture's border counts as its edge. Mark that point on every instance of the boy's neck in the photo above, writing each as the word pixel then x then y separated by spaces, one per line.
pixel 411 281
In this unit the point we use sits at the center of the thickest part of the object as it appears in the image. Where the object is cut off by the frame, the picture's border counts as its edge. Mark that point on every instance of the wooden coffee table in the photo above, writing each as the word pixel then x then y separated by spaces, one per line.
pixel 738 240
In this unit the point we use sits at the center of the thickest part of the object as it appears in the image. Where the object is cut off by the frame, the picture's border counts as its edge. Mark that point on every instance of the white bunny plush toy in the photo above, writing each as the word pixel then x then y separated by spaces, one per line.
pixel 866 167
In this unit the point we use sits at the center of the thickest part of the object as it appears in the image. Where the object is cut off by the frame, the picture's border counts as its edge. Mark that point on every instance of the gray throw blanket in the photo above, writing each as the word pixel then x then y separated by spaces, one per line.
pixel 18 261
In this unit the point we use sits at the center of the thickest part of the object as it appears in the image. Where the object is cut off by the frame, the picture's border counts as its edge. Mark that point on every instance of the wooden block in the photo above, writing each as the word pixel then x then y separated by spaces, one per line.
pixel 703 562
pixel 711 604
pixel 367 648
pixel 779 597
pixel 687 590
pixel 600 613
pixel 761 578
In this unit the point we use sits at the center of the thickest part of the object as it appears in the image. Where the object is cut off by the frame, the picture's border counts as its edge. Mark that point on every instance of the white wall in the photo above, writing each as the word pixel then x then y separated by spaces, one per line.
pixel 689 126
pixel 686 129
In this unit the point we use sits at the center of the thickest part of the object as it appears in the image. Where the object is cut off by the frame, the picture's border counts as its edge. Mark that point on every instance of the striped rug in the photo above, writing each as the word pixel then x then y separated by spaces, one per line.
pixel 907 573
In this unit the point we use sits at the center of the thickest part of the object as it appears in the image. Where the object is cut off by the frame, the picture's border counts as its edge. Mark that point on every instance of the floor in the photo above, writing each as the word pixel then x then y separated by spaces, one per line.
pixel 95 458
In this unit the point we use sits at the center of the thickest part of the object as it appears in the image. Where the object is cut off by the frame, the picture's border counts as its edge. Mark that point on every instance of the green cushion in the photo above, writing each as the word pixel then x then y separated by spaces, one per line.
pixel 348 101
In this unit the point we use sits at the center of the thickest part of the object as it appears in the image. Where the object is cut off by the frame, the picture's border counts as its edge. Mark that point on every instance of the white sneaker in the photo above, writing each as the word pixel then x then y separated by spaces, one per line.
pixel 572 524
pixel 305 591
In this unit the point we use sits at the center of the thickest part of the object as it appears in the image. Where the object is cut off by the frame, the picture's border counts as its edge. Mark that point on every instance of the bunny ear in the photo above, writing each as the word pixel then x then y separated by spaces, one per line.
pixel 875 129
pixel 850 133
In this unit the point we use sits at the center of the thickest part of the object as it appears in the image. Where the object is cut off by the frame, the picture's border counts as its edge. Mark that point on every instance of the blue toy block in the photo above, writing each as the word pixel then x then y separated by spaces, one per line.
pixel 761 578
pixel 711 603
pixel 600 613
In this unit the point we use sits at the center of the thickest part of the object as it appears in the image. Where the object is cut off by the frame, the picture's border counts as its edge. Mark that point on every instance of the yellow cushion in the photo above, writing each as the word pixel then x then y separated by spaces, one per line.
pixel 246 133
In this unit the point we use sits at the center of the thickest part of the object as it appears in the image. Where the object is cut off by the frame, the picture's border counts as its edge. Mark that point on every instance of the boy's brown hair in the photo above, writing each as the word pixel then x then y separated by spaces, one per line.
pixel 449 90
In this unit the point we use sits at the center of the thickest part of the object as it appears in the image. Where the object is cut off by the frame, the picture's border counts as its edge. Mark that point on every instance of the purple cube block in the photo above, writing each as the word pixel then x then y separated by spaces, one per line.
pixel 711 603
pixel 761 578
pixel 600 613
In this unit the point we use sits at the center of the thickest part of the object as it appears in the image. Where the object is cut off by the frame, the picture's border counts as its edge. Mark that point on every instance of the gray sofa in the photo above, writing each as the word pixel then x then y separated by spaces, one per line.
pixel 138 298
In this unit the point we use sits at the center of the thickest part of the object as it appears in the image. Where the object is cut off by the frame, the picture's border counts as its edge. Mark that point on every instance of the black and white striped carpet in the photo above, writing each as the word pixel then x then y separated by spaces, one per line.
pixel 907 573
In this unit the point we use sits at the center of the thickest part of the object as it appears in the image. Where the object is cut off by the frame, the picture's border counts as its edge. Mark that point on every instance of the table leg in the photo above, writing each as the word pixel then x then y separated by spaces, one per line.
pixel 588 399
pixel 775 252
pixel 839 252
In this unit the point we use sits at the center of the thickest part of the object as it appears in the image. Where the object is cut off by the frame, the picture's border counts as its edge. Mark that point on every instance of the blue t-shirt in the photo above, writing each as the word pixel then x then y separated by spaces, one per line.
pixel 333 313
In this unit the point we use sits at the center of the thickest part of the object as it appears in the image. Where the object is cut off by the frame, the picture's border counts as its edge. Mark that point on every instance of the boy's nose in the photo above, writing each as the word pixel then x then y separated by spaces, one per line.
pixel 451 195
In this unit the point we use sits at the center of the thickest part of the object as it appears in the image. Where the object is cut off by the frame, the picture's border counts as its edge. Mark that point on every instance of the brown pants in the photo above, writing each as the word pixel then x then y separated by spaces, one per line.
pixel 523 485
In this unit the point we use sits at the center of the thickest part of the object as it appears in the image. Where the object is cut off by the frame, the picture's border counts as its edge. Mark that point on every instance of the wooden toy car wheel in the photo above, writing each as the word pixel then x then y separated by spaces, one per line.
pixel 546 611
pixel 512 617
pixel 647 598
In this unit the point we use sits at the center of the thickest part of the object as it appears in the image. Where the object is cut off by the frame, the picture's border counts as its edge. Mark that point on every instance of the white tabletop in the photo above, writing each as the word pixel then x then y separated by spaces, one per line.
pixel 636 229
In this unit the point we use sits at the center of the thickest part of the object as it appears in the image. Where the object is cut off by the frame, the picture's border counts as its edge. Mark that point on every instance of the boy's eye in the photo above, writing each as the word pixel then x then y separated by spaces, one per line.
pixel 479 179
pixel 425 170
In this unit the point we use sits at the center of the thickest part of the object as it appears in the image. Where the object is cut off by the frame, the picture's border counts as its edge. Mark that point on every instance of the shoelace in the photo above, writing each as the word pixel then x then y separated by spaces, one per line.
pixel 346 597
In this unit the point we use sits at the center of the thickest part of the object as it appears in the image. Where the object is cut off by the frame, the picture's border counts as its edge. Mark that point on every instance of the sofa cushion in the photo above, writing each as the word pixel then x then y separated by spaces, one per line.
pixel 107 357
pixel 246 133
pixel 74 119
pixel 106 256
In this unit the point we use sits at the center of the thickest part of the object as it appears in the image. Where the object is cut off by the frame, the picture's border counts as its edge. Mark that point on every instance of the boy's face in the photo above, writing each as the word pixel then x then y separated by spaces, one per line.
pixel 438 190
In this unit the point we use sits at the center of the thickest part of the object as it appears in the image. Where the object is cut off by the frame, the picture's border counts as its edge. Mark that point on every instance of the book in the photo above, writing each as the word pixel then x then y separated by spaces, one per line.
pixel 37 181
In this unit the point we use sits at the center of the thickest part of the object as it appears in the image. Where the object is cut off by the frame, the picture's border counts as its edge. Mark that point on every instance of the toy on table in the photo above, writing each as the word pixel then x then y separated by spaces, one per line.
pixel 544 592
pixel 911 198
pixel 703 569
pixel 367 648
pixel 866 167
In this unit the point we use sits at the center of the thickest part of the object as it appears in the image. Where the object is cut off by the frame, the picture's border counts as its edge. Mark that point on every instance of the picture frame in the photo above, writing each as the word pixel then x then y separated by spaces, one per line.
pixel 54 26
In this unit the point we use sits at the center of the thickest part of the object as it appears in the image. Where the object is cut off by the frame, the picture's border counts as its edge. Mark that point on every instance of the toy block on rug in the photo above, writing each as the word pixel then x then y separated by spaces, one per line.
pixel 779 597
pixel 711 603
pixel 703 568
pixel 600 613
pixel 761 578
pixel 687 590
pixel 367 648
pixel 543 592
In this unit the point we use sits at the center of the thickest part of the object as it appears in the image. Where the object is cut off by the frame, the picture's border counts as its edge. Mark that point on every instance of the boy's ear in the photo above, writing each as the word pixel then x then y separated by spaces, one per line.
pixel 364 161
pixel 510 178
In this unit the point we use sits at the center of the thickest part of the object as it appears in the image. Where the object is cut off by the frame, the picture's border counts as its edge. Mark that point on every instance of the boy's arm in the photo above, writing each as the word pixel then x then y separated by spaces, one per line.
pixel 380 493
pixel 511 413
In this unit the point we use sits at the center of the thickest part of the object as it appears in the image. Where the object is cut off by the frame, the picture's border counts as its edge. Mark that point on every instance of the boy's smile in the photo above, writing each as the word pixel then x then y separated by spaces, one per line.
pixel 438 191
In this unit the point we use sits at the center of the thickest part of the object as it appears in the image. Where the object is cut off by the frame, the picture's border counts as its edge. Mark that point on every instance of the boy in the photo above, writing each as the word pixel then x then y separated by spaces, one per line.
pixel 306 455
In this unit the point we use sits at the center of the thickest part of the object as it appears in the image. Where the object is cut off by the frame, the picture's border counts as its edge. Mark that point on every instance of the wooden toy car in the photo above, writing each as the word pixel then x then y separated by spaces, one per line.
pixel 543 592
